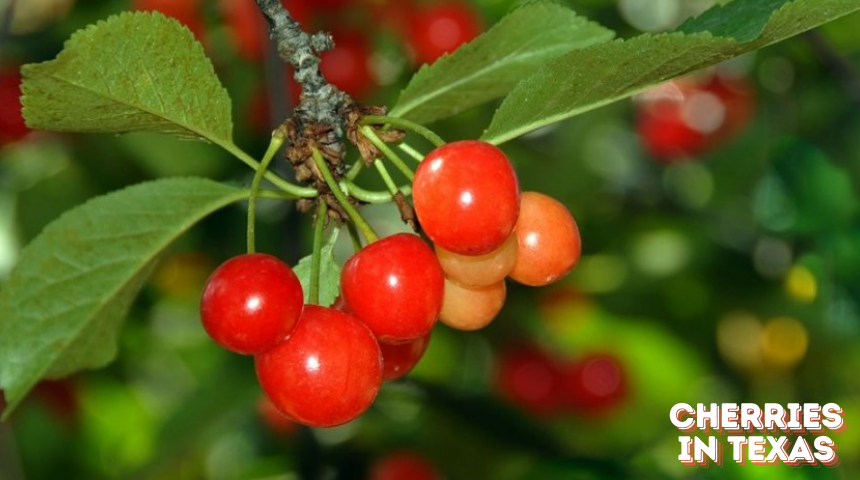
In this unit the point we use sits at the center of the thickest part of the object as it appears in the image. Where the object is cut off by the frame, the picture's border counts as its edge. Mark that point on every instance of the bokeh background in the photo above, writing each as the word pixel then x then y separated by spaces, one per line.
pixel 721 263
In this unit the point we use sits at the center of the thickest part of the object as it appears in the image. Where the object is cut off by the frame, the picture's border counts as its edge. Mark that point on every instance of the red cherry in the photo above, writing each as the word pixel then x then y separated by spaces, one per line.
pixel 403 465
pixel 466 197
pixel 12 126
pixel 530 379
pixel 548 242
pixel 251 302
pixel 326 373
pixel 395 287
pixel 347 66
pixel 442 28
pixel 594 383
pixel 300 10
pixel 61 398
pixel 247 27
pixel 188 12
pixel 399 359
pixel 277 422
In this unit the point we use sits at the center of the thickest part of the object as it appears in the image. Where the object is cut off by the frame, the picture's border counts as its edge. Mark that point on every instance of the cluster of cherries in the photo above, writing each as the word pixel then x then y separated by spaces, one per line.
pixel 323 366
pixel 546 385
pixel 688 116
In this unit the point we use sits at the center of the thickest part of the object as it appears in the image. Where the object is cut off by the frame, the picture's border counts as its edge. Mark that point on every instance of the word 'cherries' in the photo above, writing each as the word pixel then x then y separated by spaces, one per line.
pixel 467 197
pixel 251 302
pixel 394 286
pixel 548 242
pixel 326 373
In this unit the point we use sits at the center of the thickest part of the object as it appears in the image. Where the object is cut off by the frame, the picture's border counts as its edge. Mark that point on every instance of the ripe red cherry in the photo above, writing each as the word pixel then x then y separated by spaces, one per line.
pixel 531 379
pixel 12 126
pixel 548 242
pixel 471 308
pixel 326 373
pixel 467 197
pixel 347 65
pixel 442 28
pixel 395 287
pixel 399 359
pixel 403 465
pixel 188 12
pixel 594 383
pixel 251 302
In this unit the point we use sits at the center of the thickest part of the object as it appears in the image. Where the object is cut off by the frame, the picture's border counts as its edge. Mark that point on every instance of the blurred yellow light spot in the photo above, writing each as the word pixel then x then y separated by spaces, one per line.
pixel 784 341
pixel 739 339
pixel 801 284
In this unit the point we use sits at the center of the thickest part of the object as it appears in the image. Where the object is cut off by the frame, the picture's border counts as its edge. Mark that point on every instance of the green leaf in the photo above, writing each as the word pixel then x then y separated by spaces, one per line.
pixel 491 65
pixel 132 72
pixel 329 272
pixel 592 77
pixel 62 306
pixel 743 21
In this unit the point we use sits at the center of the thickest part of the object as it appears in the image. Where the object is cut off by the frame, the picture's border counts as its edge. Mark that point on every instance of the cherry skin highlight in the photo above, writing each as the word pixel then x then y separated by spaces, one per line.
pixel 250 303
pixel 467 308
pixel 548 241
pixel 479 270
pixel 326 373
pixel 466 197
pixel 399 359
pixel 394 286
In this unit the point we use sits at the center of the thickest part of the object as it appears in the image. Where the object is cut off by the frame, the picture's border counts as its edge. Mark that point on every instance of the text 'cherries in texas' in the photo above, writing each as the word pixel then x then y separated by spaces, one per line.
pixel 467 197
pixel 251 302
pixel 326 373
pixel 394 286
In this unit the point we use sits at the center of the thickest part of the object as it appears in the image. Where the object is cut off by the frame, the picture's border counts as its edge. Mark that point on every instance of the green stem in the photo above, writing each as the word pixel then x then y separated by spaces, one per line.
pixel 276 194
pixel 411 151
pixel 375 196
pixel 353 235
pixel 356 217
pixel 425 132
pixel 354 170
pixel 386 178
pixel 382 146
pixel 295 190
pixel 316 255
pixel 274 146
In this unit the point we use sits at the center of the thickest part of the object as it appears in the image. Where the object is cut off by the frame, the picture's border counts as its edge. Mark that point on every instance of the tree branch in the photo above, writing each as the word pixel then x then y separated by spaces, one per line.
pixel 321 103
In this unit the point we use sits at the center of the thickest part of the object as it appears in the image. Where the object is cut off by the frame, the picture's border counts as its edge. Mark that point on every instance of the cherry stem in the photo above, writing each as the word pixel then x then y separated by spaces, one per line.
pixel 353 236
pixel 411 151
pixel 274 145
pixel 316 255
pixel 336 190
pixel 386 177
pixel 375 196
pixel 425 132
pixel 398 162
pixel 294 190
pixel 354 170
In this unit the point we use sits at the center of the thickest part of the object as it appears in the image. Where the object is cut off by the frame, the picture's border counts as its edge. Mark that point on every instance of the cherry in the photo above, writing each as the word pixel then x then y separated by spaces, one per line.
pixel 403 465
pixel 247 27
pixel 471 308
pixel 395 287
pixel 441 28
pixel 188 12
pixel 594 383
pixel 530 379
pixel 12 126
pixel 687 116
pixel 276 421
pixel 347 65
pixel 479 270
pixel 326 373
pixel 251 302
pixel 548 241
pixel 467 197
pixel 399 359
